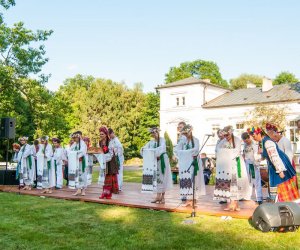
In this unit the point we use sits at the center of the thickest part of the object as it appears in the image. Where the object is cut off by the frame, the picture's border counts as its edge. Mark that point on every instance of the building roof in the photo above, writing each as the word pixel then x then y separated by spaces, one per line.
pixel 278 94
pixel 188 81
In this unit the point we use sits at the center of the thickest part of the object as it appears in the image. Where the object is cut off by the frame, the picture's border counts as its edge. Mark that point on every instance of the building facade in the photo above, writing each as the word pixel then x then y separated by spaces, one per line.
pixel 208 107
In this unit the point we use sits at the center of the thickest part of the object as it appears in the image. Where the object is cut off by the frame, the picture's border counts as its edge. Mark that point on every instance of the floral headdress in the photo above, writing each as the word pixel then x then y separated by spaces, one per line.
pixel 25 138
pixel 16 146
pixel 254 130
pixel 271 127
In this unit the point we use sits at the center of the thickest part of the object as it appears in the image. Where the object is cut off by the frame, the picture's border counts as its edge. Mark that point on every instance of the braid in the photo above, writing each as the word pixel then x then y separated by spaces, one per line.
pixel 158 140
pixel 79 142
pixel 233 143
pixel 193 143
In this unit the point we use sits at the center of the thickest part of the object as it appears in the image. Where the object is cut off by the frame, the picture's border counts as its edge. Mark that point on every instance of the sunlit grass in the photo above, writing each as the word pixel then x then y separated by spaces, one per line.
pixel 28 222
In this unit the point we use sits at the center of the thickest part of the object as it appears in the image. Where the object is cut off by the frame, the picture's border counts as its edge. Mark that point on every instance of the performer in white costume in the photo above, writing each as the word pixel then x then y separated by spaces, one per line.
pixel 35 149
pixel 189 164
pixel 58 159
pixel 89 171
pixel 232 183
pixel 162 176
pixel 26 167
pixel 46 172
pixel 252 159
pixel 118 150
pixel 78 157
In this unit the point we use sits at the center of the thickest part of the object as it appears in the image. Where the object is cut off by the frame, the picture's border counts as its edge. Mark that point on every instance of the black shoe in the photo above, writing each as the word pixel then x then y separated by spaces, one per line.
pixel 259 202
pixel 222 202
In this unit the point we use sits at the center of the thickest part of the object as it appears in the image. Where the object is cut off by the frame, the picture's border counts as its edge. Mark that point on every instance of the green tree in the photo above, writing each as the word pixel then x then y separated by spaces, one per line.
pixel 6 4
pixel 285 77
pixel 169 146
pixel 241 81
pixel 200 69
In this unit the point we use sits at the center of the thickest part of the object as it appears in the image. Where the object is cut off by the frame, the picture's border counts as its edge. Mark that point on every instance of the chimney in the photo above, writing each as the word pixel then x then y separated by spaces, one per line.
pixel 250 85
pixel 267 84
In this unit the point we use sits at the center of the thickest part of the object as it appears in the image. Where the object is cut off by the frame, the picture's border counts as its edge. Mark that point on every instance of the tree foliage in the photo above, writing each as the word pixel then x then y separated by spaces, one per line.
pixel 241 81
pixel 200 69
pixel 260 115
pixel 285 77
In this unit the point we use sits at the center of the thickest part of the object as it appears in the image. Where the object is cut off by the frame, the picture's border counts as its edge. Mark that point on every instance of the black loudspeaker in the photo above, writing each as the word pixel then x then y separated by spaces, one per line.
pixel 8 177
pixel 279 217
pixel 8 128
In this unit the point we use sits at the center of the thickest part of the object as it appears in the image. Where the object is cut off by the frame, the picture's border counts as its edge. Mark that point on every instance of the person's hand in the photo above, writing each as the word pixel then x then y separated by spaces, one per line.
pixel 260 150
pixel 281 175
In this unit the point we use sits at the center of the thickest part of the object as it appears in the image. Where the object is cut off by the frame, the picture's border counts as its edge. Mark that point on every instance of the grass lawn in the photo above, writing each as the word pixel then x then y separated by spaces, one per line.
pixel 28 222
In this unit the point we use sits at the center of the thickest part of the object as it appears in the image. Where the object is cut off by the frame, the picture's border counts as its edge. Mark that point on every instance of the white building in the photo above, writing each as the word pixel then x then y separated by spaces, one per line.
pixel 208 107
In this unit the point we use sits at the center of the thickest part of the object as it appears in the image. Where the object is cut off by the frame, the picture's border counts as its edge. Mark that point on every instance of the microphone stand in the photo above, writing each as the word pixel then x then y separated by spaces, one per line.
pixel 193 214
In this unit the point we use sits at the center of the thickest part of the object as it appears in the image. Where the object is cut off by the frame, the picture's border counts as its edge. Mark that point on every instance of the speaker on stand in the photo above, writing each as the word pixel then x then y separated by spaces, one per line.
pixel 7 131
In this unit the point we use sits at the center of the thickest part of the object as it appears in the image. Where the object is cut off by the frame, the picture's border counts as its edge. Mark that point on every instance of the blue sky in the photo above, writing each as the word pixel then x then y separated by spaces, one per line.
pixel 138 41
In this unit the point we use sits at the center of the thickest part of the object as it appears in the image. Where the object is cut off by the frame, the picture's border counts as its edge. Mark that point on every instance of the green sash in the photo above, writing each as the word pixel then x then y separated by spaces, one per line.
pixel 196 166
pixel 118 161
pixel 49 164
pixel 29 160
pixel 83 164
pixel 162 163
pixel 239 171
pixel 251 170
pixel 55 165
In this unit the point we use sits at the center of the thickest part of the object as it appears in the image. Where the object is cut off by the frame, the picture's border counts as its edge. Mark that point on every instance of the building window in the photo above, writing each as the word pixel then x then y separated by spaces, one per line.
pixel 177 101
pixel 183 100
pixel 240 126
pixel 293 132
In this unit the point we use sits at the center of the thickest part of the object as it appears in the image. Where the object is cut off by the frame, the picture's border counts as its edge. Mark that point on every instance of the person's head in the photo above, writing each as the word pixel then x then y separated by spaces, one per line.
pixel 228 132
pixel 298 124
pixel 256 133
pixel 23 140
pixel 87 141
pixel 220 134
pixel 272 132
pixel 36 142
pixel 180 126
pixel 187 131
pixel 56 142
pixel 154 131
pixel 111 133
pixel 44 139
pixel 103 133
pixel 203 155
pixel 76 137
pixel 246 138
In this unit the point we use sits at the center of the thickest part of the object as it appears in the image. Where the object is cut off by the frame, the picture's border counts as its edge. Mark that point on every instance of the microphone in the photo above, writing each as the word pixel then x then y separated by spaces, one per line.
pixel 212 135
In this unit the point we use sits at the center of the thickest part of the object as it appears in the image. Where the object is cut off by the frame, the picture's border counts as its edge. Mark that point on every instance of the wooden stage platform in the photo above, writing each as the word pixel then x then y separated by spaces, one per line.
pixel 131 196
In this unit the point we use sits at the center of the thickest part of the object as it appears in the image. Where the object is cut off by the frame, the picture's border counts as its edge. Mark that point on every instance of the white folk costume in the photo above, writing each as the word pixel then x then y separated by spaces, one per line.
pixel 190 163
pixel 45 170
pixel 231 176
pixel 58 159
pixel 118 150
pixel 26 166
pixel 252 160
pixel 157 176
pixel 89 177
pixel 77 163
pixel 285 145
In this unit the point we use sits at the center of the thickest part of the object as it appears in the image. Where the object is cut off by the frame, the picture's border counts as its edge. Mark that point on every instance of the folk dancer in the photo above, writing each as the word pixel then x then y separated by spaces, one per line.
pixel 79 150
pixel 109 160
pixel 118 151
pixel 35 149
pixel 162 173
pixel 232 183
pixel 283 186
pixel 58 159
pixel 46 172
pixel 284 144
pixel 89 173
pixel 25 168
pixel 252 159
pixel 190 165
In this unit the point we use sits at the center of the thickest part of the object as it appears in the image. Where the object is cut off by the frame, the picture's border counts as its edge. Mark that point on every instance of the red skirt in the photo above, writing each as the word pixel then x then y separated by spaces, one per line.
pixel 295 177
pixel 111 181
pixel 288 191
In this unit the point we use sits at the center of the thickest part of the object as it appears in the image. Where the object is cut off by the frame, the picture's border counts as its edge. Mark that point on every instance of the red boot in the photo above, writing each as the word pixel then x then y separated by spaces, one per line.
pixel 106 193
